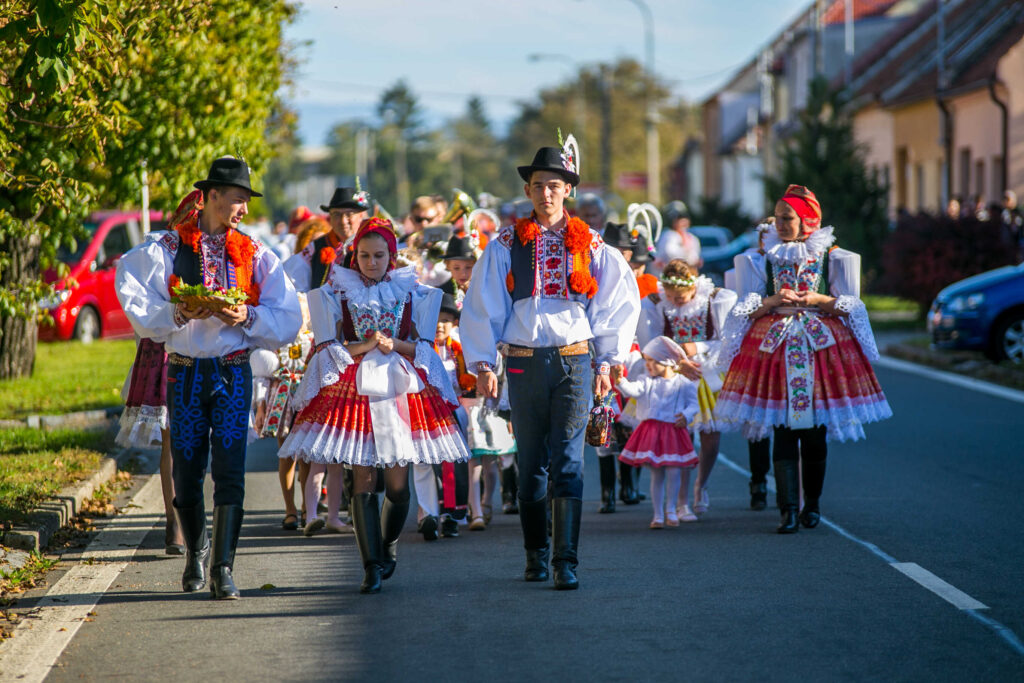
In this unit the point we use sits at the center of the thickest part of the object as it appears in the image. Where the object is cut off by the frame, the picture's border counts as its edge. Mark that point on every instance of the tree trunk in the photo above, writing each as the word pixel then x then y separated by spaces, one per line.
pixel 18 333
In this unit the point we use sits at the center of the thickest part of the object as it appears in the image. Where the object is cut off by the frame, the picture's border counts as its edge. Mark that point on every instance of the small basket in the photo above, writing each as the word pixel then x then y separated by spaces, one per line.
pixel 599 425
pixel 210 303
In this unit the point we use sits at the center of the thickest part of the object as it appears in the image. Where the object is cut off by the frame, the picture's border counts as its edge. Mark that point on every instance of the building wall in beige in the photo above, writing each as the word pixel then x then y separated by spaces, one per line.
pixel 918 157
pixel 1010 72
pixel 977 146
pixel 873 130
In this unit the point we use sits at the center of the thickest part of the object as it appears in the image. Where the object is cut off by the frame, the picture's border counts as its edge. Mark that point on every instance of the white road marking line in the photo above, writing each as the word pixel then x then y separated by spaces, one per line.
pixel 951 378
pixel 43 634
pixel 946 591
pixel 922 576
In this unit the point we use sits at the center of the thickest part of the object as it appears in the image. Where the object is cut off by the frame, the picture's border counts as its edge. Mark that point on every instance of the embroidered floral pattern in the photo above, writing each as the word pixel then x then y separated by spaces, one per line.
pixel 799 376
pixel 803 277
pixel 691 329
pixel 551 264
pixel 367 320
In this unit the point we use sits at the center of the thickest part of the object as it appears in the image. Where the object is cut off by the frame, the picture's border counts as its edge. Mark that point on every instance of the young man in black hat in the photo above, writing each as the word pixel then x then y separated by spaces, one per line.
pixel 209 381
pixel 550 289
pixel 347 209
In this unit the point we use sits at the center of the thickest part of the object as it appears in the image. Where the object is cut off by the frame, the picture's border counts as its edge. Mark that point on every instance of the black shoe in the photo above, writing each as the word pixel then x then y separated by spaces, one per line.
pixel 758 495
pixel 607 501
pixel 811 515
pixel 627 492
pixel 227 524
pixel 790 523
pixel 566 538
pixel 533 517
pixel 428 527
pixel 197 543
pixel 366 519
pixel 449 527
pixel 392 519
pixel 509 491
pixel 787 487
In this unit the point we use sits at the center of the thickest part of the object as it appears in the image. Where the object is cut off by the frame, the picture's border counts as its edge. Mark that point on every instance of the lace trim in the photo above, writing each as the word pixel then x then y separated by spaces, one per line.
pixel 698 304
pixel 844 422
pixel 324 369
pixel 735 328
pixel 791 253
pixel 140 426
pixel 325 444
pixel 426 359
pixel 386 294
pixel 859 324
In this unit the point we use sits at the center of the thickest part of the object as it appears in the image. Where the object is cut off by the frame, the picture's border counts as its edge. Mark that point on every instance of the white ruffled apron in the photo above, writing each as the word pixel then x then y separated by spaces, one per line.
pixel 803 333
pixel 386 380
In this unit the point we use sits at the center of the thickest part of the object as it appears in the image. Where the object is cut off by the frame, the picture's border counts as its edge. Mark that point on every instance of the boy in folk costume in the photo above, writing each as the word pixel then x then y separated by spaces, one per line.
pixel 208 375
pixel 798 346
pixel 550 288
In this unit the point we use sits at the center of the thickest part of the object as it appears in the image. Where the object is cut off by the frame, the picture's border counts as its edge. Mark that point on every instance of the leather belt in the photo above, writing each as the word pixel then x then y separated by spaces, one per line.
pixel 235 358
pixel 577 349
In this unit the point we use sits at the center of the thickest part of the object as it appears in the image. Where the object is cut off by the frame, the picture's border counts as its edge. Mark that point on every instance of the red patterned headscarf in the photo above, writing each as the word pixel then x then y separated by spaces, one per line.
pixel 378 226
pixel 188 210
pixel 805 204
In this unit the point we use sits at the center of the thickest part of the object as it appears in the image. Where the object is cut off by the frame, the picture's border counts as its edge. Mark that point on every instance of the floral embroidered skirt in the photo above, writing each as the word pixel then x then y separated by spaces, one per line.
pixel 815 374
pixel 145 410
pixel 336 428
pixel 659 444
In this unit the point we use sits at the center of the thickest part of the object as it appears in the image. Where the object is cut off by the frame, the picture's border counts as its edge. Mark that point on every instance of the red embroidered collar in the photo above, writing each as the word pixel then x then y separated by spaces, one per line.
pixel 577 243
pixel 240 249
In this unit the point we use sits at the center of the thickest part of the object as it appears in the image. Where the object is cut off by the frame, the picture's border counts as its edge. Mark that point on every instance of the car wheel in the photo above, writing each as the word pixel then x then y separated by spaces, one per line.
pixel 1009 339
pixel 87 327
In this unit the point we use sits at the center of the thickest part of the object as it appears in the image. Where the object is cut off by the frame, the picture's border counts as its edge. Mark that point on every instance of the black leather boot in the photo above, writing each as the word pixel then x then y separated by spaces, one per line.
pixel 392 519
pixel 787 483
pixel 533 517
pixel 627 491
pixel 566 524
pixel 366 520
pixel 607 464
pixel 227 525
pixel 814 481
pixel 193 528
pixel 509 491
pixel 758 495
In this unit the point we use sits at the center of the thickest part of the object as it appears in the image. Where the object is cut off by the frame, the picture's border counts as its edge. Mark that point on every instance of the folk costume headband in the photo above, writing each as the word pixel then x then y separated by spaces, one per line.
pixel 384 228
pixel 664 350
pixel 805 204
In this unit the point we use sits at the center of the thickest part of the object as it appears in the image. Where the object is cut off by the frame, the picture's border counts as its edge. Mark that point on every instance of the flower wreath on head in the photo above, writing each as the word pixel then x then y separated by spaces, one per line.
pixel 239 248
pixel 577 243
pixel 679 282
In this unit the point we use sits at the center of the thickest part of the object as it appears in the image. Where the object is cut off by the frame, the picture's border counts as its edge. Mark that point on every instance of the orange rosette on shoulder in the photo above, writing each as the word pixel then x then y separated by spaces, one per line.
pixel 328 256
pixel 648 284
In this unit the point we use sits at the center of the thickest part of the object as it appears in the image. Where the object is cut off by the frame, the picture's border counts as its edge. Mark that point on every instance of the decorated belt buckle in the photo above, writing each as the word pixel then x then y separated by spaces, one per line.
pixel 295 351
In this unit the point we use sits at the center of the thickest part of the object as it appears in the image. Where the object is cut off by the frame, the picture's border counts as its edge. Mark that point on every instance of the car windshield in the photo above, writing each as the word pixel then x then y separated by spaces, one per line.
pixel 66 255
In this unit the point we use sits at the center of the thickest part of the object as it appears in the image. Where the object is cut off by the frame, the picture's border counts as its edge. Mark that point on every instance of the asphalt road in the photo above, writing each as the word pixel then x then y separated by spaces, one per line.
pixel 723 599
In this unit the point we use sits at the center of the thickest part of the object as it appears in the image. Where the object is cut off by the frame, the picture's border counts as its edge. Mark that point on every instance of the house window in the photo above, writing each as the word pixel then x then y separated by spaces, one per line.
pixel 965 174
pixel 979 177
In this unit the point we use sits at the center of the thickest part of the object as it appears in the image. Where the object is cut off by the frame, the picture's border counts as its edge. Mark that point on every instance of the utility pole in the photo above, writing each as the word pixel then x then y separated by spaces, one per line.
pixel 848 35
pixel 653 161
pixel 606 128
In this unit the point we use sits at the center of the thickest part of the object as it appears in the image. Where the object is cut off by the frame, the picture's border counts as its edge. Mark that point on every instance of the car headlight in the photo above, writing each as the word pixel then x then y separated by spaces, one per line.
pixel 971 302
pixel 55 299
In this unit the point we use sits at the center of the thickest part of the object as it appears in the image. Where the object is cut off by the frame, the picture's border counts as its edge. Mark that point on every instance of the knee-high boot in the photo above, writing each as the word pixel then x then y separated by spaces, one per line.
pixel 814 481
pixel 533 517
pixel 787 483
pixel 760 460
pixel 193 527
pixel 366 520
pixel 392 519
pixel 509 490
pixel 566 535
pixel 227 524
pixel 627 490
pixel 607 466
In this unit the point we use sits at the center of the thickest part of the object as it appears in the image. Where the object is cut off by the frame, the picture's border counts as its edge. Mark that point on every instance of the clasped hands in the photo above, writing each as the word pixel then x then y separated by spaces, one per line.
pixel 790 297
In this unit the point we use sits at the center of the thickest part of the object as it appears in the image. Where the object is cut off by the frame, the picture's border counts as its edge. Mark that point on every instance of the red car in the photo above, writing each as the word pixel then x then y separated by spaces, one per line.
pixel 88 308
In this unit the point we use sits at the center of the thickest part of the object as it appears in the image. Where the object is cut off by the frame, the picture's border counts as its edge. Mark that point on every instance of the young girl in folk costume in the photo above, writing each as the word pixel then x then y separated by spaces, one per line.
pixel 799 343
pixel 692 312
pixel 666 402
pixel 374 394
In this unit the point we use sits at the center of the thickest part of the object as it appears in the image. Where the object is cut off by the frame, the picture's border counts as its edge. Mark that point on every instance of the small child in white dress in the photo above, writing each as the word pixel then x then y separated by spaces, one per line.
pixel 666 402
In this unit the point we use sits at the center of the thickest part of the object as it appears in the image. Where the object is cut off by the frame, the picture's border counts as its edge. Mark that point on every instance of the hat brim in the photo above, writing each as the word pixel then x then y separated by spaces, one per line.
pixel 344 205
pixel 640 256
pixel 204 185
pixel 526 171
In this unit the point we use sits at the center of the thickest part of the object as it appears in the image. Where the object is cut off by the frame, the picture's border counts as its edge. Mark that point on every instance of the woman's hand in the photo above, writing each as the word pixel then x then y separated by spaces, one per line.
pixel 688 369
pixel 383 343
pixel 681 421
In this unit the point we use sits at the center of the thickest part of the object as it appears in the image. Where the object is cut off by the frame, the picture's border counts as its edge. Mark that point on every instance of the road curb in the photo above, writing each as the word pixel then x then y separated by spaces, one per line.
pixel 58 511
pixel 962 364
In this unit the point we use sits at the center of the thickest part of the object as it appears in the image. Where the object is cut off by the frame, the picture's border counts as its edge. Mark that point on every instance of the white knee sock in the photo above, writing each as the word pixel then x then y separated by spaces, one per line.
pixel 658 492
pixel 334 475
pixel 683 498
pixel 673 481
pixel 313 483
pixel 425 483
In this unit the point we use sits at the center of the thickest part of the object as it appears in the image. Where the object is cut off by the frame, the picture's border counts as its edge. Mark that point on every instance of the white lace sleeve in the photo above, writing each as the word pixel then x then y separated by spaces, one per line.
pixel 323 370
pixel 857 320
pixel 735 328
pixel 426 359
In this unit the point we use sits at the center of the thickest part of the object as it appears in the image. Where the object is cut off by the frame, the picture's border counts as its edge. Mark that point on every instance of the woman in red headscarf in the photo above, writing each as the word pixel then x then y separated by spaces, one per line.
pixel 798 347
pixel 374 393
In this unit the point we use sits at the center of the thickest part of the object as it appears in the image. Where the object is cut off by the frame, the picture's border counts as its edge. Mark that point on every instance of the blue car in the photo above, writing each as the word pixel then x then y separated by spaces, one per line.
pixel 985 312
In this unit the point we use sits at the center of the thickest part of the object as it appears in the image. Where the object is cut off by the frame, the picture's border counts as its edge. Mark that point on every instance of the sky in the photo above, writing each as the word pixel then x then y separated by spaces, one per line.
pixel 447 50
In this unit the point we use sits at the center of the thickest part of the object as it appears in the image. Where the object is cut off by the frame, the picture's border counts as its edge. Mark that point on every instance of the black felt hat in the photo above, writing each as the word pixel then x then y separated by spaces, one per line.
pixel 227 171
pixel 448 305
pixel 460 247
pixel 550 159
pixel 348 198
pixel 640 251
pixel 617 235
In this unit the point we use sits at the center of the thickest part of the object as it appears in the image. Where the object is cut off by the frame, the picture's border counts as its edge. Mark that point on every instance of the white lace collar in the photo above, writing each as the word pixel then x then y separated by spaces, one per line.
pixel 699 302
pixel 789 253
pixel 387 293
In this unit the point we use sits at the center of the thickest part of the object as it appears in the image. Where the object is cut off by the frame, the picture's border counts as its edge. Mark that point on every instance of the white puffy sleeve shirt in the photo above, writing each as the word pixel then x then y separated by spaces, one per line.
pixel 658 398
pixel 489 317
pixel 142 288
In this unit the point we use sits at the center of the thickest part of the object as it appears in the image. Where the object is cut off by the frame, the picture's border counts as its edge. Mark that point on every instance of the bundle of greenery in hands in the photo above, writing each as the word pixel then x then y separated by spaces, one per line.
pixel 200 296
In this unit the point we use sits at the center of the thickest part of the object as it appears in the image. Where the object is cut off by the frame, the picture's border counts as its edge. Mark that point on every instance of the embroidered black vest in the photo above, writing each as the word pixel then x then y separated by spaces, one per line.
pixel 822 287
pixel 524 272
pixel 187 265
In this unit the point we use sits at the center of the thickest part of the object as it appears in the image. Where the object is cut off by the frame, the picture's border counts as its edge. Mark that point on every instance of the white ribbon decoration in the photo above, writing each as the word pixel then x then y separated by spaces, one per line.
pixel 386 380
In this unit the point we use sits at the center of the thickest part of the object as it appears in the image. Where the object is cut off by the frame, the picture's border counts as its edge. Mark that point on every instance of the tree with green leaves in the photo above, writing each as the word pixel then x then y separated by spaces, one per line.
pixel 95 87
pixel 823 155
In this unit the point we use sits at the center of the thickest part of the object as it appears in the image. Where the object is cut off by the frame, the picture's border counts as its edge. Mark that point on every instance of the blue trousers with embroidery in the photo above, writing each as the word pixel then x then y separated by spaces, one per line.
pixel 551 396
pixel 208 408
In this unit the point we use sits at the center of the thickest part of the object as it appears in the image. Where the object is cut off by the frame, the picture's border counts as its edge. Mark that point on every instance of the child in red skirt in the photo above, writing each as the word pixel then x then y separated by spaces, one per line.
pixel 666 402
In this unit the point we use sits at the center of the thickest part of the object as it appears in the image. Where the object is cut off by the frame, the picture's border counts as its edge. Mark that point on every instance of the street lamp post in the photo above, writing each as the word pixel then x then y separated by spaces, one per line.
pixel 574 72
pixel 653 163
